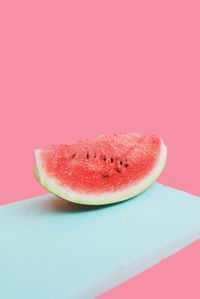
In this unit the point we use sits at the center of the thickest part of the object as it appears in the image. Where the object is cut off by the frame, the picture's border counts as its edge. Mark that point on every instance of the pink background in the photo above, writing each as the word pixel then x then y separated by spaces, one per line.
pixel 75 69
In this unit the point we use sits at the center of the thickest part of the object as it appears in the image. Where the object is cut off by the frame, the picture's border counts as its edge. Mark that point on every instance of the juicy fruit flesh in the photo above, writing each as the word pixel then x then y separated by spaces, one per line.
pixel 107 163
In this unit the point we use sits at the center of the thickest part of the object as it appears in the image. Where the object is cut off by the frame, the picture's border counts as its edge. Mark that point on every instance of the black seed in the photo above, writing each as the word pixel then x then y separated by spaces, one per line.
pixel 73 156
pixel 126 165
pixel 104 158
pixel 87 156
pixel 121 162
pixel 118 169
pixel 95 155
pixel 105 175
pixel 111 160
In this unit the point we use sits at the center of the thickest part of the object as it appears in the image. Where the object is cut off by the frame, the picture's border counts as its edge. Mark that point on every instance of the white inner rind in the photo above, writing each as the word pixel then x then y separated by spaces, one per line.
pixel 105 197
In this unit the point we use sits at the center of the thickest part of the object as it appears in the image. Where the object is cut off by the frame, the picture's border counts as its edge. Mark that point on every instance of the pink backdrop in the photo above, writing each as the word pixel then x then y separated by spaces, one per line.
pixel 75 69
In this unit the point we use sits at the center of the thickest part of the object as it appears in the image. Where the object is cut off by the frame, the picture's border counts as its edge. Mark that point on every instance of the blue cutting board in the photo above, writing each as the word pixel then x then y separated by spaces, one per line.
pixel 51 249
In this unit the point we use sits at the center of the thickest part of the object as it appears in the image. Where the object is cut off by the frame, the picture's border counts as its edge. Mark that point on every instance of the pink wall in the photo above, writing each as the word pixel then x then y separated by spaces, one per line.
pixel 74 69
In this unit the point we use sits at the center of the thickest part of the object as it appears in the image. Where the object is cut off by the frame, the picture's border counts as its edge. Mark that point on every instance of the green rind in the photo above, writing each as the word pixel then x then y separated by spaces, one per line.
pixel 36 172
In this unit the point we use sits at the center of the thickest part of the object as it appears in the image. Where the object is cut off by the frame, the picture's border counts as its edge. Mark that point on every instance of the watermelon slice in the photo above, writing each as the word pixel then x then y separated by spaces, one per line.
pixel 103 170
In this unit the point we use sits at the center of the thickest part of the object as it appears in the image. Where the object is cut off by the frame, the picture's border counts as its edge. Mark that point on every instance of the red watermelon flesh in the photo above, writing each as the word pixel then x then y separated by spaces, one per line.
pixel 106 164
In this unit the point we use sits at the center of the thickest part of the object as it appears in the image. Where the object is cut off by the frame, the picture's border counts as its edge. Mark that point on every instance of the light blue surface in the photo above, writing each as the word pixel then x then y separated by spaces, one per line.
pixel 50 249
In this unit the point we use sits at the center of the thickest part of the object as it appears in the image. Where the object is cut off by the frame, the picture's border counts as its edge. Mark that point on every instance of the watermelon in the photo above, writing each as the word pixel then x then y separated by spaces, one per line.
pixel 106 169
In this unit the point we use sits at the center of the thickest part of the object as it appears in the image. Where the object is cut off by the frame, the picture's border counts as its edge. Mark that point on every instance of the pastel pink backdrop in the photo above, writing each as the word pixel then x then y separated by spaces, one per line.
pixel 75 69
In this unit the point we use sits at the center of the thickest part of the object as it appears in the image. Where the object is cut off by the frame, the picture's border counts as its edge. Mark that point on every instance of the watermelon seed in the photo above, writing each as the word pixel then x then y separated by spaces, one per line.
pixel 87 156
pixel 104 158
pixel 73 156
pixel 126 165
pixel 105 175
pixel 95 155
pixel 118 169
pixel 121 162
pixel 111 160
